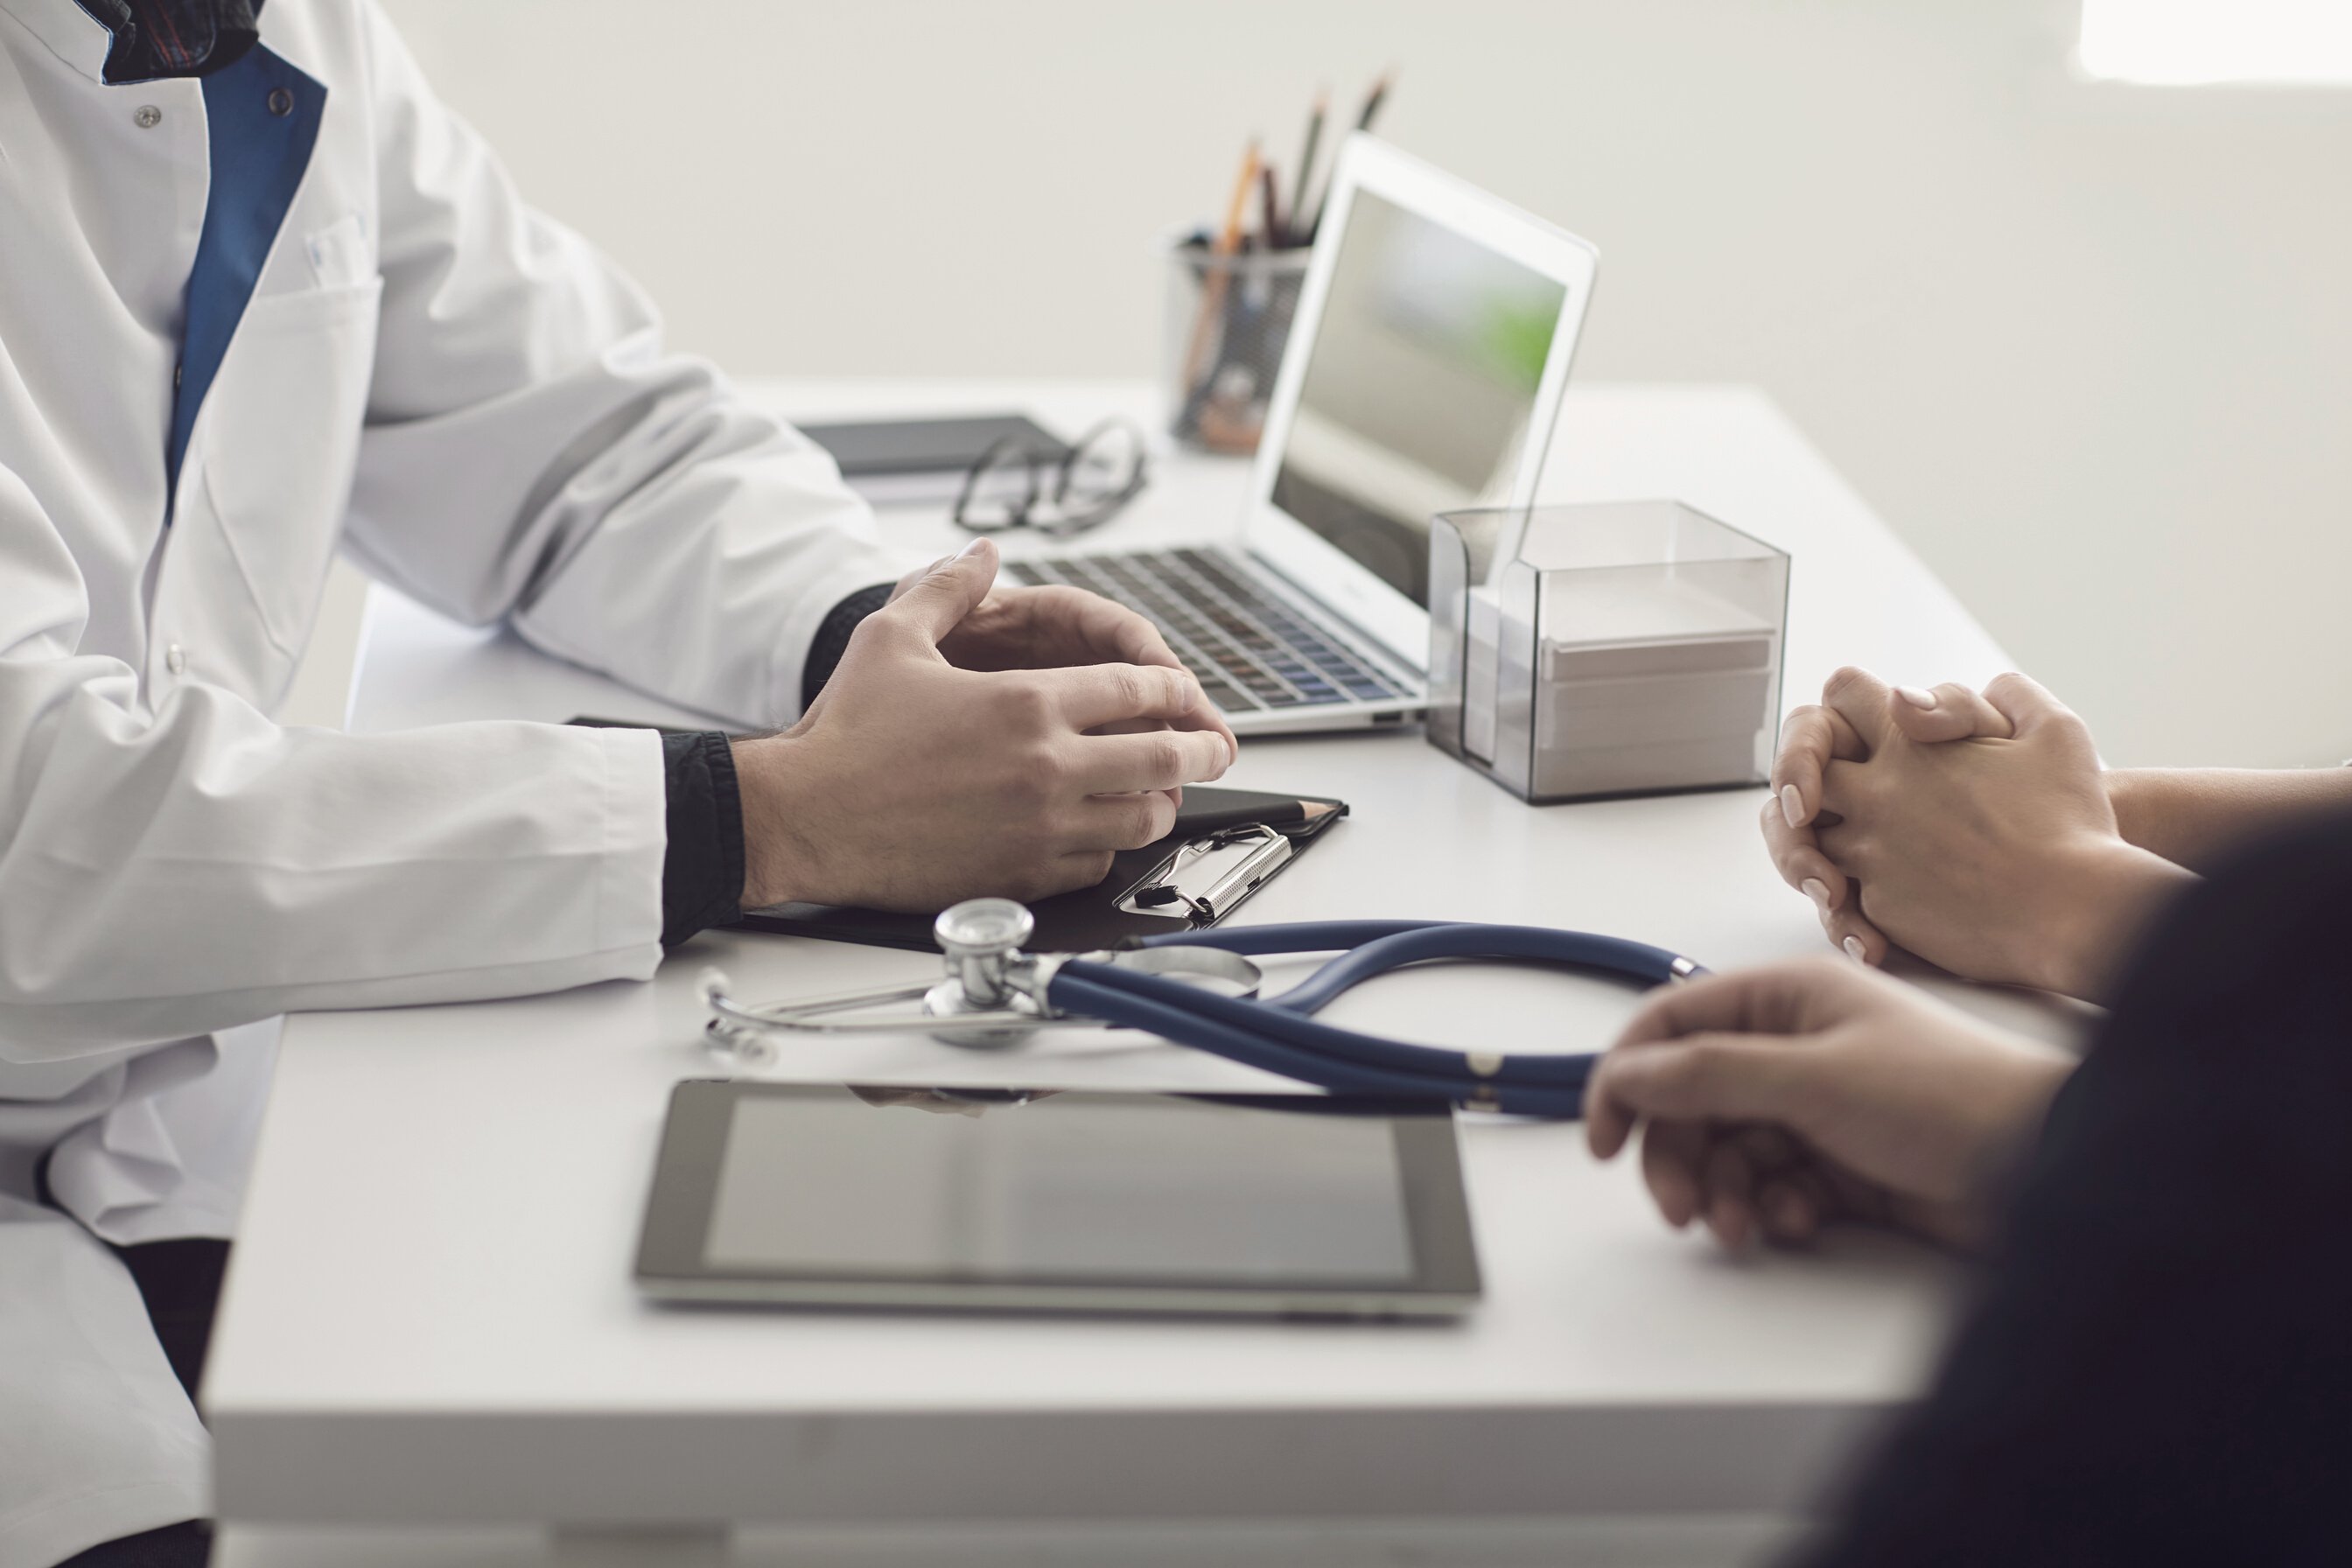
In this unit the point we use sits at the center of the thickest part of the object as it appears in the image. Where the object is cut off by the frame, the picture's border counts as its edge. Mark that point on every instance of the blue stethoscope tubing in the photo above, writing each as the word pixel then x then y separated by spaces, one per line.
pixel 1281 1036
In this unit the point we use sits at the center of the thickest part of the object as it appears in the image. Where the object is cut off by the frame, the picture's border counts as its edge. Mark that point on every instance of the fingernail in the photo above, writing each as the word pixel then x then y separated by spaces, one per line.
pixel 1792 805
pixel 1854 950
pixel 1819 891
pixel 973 548
pixel 1916 697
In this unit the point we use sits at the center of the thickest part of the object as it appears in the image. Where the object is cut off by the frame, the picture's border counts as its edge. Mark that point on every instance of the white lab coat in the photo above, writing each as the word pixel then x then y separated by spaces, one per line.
pixel 476 405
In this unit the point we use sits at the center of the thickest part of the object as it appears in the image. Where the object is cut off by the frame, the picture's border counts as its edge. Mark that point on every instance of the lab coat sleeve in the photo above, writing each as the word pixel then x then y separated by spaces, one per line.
pixel 172 871
pixel 533 453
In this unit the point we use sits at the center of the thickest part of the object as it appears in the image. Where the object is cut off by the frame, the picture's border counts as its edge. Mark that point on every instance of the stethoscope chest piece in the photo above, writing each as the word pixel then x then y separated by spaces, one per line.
pixel 994 994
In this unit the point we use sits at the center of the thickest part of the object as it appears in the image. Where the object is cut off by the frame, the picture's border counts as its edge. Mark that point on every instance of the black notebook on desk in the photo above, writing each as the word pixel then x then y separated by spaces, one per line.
pixel 1096 916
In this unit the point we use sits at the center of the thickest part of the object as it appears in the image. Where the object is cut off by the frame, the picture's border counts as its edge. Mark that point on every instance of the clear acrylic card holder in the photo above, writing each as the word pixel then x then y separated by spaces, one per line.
pixel 1609 648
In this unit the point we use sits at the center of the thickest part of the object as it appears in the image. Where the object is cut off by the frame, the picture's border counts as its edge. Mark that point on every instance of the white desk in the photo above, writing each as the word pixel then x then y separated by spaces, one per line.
pixel 430 1322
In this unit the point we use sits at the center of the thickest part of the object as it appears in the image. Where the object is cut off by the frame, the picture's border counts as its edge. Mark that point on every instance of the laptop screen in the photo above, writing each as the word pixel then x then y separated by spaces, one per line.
pixel 1419 388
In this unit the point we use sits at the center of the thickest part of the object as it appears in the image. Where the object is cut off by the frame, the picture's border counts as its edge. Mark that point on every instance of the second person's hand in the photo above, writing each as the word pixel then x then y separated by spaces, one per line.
pixel 1776 1101
pixel 911 783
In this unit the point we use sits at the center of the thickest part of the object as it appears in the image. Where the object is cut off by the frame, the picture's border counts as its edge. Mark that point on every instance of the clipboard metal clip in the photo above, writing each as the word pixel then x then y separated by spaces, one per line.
pixel 1208 875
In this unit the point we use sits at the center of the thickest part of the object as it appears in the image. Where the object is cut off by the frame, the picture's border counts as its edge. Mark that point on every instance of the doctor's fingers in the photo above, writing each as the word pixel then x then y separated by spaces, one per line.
pixel 935 603
pixel 1088 696
pixel 1090 841
pixel 1113 821
pixel 1157 759
pixel 1108 628
pixel 1946 713
pixel 1811 738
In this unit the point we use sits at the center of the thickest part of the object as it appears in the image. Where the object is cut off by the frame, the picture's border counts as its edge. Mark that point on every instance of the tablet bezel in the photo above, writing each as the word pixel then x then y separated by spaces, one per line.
pixel 671 1265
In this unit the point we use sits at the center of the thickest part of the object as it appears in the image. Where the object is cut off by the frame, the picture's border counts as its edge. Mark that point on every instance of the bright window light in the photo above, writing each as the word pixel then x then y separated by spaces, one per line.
pixel 2191 43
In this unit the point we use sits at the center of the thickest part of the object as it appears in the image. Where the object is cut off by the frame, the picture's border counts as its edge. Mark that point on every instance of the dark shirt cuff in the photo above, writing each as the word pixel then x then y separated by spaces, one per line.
pixel 702 870
pixel 832 639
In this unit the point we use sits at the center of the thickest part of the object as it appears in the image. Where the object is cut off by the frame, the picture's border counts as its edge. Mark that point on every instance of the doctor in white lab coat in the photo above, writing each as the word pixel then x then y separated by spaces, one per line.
pixel 263 300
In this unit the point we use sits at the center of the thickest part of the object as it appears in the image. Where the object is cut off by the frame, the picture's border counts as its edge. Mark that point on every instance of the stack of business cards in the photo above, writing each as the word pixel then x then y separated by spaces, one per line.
pixel 1670 714
pixel 1645 681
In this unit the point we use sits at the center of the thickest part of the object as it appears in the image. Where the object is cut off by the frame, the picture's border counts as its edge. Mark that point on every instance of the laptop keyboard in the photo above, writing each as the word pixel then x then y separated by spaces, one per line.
pixel 1247 647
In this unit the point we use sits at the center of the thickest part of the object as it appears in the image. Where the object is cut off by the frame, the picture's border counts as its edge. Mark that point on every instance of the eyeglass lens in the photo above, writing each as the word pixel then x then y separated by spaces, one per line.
pixel 1002 489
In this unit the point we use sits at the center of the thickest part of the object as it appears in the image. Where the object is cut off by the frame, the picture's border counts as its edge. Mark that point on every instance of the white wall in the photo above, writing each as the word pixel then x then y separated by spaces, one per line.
pixel 2088 347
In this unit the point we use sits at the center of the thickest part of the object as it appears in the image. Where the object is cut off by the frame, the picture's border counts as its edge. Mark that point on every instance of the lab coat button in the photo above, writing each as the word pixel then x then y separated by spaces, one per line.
pixel 282 102
pixel 148 117
pixel 176 659
pixel 177 371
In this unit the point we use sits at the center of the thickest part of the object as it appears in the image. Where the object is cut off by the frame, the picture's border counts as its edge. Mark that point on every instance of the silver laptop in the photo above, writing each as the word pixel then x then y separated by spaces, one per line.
pixel 1424 372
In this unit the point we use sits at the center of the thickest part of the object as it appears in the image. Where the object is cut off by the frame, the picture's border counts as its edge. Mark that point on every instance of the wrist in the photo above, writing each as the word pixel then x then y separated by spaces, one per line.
pixel 2132 794
pixel 2115 889
pixel 775 865
pixel 2019 1109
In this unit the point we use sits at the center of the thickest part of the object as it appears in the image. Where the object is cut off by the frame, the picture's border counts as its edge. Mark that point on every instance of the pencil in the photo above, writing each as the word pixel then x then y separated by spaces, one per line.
pixel 1229 239
pixel 1307 161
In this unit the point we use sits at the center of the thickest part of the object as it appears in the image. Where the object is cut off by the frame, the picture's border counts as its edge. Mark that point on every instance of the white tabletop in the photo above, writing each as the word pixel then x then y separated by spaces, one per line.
pixel 430 1319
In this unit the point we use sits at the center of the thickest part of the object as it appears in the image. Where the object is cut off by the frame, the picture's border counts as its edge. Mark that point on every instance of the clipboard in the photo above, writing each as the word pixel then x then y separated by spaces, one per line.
pixel 1226 846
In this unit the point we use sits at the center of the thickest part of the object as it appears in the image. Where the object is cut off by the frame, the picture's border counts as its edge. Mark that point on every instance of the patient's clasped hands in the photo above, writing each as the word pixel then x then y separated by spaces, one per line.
pixel 1973 830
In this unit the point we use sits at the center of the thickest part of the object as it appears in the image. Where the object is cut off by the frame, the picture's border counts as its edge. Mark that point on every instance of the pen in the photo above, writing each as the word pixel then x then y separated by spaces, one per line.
pixel 1286 814
pixel 1364 117
pixel 1307 161
pixel 1275 237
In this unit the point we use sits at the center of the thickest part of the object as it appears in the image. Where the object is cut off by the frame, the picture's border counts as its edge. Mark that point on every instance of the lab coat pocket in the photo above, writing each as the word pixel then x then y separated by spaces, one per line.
pixel 279 436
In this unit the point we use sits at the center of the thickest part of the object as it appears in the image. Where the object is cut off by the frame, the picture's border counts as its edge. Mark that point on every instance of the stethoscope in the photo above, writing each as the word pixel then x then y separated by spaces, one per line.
pixel 1199 988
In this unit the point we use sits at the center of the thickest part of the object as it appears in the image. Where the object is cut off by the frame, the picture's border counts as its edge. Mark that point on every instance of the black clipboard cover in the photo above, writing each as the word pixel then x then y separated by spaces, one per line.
pixel 1089 918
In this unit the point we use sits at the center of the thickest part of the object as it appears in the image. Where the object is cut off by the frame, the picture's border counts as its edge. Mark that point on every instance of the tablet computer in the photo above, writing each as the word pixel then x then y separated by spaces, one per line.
pixel 991 1199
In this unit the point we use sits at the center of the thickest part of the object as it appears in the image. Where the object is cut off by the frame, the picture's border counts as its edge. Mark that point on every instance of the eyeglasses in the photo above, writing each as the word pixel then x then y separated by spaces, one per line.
pixel 1017 484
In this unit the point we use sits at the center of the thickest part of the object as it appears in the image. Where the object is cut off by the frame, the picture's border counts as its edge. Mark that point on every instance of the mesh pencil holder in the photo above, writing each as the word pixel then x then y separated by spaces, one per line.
pixel 1228 320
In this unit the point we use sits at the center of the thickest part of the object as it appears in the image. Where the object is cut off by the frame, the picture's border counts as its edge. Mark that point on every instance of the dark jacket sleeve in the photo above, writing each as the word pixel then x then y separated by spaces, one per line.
pixel 2160 1369
pixel 702 866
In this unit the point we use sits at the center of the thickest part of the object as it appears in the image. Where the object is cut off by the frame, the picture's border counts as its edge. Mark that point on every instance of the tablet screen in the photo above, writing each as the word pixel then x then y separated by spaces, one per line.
pixel 777 1182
